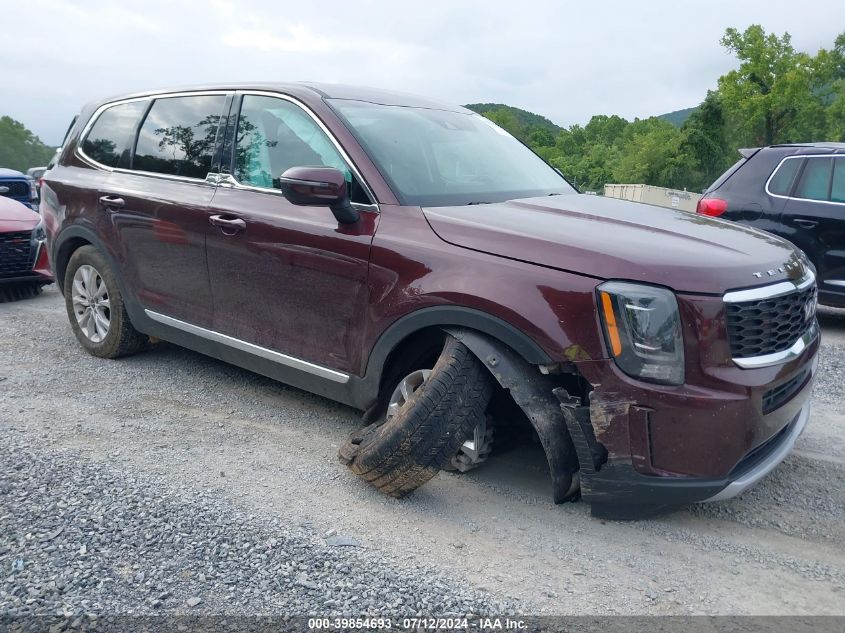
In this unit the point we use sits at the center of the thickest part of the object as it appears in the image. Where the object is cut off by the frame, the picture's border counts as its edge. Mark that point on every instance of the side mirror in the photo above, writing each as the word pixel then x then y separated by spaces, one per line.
pixel 319 186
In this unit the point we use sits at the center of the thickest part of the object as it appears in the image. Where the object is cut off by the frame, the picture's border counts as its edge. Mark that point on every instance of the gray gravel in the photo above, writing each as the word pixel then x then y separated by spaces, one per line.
pixel 79 539
pixel 179 446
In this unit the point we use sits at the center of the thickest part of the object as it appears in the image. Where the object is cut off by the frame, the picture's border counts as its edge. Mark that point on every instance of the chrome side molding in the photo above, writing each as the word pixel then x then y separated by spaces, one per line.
pixel 250 348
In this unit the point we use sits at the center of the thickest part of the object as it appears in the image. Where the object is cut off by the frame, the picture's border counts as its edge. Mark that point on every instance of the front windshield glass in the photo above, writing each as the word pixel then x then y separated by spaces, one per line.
pixel 440 158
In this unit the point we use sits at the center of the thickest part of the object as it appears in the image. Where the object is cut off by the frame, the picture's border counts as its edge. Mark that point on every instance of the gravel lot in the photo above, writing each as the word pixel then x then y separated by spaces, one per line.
pixel 171 482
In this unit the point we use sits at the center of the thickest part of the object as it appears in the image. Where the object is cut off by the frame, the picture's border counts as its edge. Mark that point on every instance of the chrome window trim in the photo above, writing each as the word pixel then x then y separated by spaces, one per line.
pixel 229 180
pixel 120 170
pixel 794 157
pixel 784 356
pixel 251 348
pixel 770 291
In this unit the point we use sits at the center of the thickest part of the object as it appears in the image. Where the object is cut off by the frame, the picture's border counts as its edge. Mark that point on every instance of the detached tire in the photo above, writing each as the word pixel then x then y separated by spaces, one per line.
pixel 406 451
pixel 95 307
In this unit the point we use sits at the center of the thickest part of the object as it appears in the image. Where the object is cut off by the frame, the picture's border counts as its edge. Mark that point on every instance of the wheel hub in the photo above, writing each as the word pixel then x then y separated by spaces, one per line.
pixel 91 305
pixel 405 389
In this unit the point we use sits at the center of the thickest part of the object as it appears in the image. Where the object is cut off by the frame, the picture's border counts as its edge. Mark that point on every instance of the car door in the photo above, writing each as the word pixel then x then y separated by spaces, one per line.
pixel 814 215
pixel 159 207
pixel 284 277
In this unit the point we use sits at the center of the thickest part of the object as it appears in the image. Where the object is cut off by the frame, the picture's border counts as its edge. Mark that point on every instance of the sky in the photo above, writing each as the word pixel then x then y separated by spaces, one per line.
pixel 565 60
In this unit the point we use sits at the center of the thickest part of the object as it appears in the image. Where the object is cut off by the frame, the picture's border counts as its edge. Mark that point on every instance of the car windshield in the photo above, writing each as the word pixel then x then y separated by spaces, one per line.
pixel 436 157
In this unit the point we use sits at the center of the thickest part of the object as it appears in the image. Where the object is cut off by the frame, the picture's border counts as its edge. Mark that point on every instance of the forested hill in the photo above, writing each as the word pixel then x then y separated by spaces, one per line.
pixel 531 120
pixel 523 117
pixel 776 94
pixel 678 117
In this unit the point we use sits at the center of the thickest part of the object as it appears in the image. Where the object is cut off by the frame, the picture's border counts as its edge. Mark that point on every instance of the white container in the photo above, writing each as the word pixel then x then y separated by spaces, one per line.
pixel 658 196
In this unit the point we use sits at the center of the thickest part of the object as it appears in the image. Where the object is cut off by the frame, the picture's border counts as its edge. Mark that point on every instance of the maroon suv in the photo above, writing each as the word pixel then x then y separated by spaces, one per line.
pixel 415 261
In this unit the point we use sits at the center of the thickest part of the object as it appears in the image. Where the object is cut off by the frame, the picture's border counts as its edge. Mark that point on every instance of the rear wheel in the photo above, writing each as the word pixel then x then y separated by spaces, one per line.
pixel 95 307
pixel 430 414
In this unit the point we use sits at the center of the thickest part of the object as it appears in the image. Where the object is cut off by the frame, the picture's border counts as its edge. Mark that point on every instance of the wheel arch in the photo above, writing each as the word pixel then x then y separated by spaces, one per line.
pixel 422 322
pixel 66 243
pixel 454 316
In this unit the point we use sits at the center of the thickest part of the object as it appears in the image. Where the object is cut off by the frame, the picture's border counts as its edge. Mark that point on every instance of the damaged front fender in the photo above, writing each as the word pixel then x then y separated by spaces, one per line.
pixel 533 392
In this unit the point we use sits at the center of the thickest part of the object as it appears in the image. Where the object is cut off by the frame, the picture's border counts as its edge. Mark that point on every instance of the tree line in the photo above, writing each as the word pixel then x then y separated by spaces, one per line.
pixel 776 95
pixel 19 148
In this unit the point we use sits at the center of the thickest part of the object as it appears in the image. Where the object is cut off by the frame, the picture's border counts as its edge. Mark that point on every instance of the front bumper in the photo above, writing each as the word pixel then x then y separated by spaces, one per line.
pixel 40 273
pixel 767 460
pixel 618 491
pixel 649 447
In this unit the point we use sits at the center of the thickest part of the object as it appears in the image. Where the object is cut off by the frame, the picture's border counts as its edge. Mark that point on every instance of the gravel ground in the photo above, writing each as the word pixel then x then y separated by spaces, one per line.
pixel 83 539
pixel 170 482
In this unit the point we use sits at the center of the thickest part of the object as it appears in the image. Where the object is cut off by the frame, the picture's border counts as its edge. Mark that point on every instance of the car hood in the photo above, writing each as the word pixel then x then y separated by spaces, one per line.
pixel 608 238
pixel 16 216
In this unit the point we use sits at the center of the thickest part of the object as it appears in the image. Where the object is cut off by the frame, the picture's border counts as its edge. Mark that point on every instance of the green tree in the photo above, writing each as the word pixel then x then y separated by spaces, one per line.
pixel 651 154
pixel 19 148
pixel 704 142
pixel 770 98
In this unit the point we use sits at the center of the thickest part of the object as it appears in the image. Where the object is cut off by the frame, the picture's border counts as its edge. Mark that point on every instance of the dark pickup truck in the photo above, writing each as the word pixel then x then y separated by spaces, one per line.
pixel 18 186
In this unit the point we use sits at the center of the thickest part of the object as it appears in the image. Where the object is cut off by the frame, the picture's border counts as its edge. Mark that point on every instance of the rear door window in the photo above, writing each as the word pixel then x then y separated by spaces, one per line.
pixel 815 180
pixel 781 182
pixel 178 136
pixel 110 139
pixel 837 189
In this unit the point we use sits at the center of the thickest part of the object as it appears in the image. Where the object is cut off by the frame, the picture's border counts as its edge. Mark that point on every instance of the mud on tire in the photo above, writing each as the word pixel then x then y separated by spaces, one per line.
pixel 122 338
pixel 408 449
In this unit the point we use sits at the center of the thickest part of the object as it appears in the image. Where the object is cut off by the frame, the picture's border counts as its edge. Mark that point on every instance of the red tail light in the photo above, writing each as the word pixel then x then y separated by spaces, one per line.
pixel 714 207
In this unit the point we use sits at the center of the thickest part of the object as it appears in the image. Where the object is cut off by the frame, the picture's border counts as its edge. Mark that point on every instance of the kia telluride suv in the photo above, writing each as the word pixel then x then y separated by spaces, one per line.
pixel 413 260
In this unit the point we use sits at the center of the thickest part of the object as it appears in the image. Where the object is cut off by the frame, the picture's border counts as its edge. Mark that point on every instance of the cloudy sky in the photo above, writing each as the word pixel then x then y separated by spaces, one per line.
pixel 566 60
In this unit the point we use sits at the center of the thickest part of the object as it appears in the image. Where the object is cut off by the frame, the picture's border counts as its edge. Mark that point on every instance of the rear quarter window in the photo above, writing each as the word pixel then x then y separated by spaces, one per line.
pixel 110 139
pixel 781 182
pixel 178 135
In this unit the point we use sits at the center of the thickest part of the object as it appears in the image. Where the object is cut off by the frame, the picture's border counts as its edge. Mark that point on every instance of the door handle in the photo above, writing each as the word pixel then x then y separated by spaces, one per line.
pixel 111 202
pixel 807 224
pixel 234 225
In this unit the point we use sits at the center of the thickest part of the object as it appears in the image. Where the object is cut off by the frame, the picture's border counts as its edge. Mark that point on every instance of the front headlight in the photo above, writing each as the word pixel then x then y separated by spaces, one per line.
pixel 642 327
pixel 38 233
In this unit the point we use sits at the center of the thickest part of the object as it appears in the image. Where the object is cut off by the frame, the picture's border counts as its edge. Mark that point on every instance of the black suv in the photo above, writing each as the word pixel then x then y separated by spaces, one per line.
pixel 796 192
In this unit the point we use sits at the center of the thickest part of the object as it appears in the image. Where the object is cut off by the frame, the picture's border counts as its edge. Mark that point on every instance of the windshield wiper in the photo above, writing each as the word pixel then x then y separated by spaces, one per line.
pixel 479 202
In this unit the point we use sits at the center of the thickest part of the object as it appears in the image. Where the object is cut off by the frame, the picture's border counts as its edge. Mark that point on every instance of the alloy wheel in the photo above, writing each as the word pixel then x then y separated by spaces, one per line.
pixel 91 305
